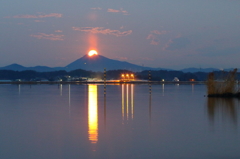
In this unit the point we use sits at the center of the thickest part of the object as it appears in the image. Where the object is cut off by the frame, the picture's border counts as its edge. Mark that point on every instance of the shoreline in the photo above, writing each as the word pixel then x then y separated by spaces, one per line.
pixel 103 82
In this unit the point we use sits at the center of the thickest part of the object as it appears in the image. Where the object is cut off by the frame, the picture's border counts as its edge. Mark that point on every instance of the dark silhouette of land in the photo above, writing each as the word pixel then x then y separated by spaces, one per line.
pixel 88 67
pixel 98 63
pixel 80 75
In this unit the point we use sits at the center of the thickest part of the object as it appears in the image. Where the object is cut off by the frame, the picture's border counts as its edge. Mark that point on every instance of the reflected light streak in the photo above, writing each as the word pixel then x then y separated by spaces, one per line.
pixel 60 88
pixel 92 113
pixel 19 89
pixel 69 99
pixel 127 102
pixel 132 101
pixel 123 102
pixel 150 107
pixel 163 89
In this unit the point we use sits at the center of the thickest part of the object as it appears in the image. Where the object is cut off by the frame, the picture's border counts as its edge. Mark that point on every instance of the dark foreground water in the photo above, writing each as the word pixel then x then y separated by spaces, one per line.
pixel 78 122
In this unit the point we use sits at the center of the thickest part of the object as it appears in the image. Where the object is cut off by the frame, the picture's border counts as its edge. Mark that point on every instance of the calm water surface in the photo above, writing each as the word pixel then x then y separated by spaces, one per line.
pixel 130 122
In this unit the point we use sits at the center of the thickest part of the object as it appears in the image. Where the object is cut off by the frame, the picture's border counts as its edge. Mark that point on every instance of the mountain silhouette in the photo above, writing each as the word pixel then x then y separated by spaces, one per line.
pixel 99 62
pixel 90 63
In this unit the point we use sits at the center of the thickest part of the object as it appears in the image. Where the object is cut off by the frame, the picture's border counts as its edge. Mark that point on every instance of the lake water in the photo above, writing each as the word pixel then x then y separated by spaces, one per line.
pixel 130 122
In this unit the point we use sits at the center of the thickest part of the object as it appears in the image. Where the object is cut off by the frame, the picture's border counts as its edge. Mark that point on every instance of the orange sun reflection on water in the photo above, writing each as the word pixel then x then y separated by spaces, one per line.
pixel 92 114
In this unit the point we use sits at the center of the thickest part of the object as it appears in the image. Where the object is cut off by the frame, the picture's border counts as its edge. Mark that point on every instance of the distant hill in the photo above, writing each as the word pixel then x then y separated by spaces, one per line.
pixel 192 69
pixel 14 67
pixel 17 67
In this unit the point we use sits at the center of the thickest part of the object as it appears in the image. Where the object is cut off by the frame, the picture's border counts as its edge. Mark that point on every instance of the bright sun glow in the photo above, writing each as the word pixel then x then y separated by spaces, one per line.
pixel 92 52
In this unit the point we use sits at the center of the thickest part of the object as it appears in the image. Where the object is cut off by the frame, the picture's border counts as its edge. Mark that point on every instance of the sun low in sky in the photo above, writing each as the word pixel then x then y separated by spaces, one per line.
pixel 92 53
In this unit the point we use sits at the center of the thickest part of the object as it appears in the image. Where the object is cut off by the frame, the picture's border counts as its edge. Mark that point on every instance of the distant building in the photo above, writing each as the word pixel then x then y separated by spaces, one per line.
pixel 175 79
pixel 127 77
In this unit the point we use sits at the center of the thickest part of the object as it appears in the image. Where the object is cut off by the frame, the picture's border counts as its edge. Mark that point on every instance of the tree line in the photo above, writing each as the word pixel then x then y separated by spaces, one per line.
pixel 156 75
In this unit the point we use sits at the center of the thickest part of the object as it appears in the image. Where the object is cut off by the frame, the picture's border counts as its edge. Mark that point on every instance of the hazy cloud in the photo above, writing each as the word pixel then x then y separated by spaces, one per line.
pixel 153 36
pixel 55 15
pixel 101 30
pixel 53 37
pixel 97 8
pixel 117 11
pixel 39 21
pixel 158 32
pixel 216 51
pixel 58 31
pixel 146 58
pixel 205 28
pixel 177 43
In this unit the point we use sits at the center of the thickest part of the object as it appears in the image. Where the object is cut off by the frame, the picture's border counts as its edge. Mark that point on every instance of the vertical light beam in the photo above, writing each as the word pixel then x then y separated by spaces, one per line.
pixel 92 41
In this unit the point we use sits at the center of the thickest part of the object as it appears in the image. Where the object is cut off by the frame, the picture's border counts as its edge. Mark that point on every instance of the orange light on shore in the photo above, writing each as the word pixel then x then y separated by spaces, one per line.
pixel 92 52
pixel 127 77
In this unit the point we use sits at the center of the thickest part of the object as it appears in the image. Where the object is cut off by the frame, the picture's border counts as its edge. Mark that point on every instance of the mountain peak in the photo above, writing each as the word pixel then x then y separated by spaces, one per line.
pixel 15 65
pixel 93 57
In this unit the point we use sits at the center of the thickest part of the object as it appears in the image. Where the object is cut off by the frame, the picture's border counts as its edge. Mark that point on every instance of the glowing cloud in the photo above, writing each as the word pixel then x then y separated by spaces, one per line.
pixel 56 15
pixel 117 11
pixel 53 37
pixel 101 30
pixel 153 36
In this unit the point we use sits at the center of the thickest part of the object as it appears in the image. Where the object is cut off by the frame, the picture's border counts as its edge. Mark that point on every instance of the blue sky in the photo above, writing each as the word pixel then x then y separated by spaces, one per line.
pixel 156 33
